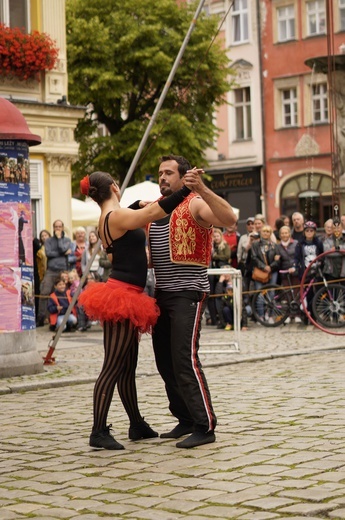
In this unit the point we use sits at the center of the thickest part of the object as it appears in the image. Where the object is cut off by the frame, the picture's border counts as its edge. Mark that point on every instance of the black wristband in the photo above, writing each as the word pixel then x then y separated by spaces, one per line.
pixel 168 204
pixel 135 205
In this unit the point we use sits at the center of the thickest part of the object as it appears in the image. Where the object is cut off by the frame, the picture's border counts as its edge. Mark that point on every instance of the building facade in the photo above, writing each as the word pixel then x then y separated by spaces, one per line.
pixel 296 104
pixel 273 154
pixel 44 104
pixel 237 160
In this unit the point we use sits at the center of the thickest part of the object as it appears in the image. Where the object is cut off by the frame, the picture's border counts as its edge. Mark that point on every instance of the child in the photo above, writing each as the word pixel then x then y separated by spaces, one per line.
pixel 58 303
pixel 73 281
pixel 226 310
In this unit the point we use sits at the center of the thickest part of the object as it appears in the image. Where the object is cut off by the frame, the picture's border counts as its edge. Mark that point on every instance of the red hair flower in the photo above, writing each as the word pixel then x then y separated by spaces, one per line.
pixel 85 185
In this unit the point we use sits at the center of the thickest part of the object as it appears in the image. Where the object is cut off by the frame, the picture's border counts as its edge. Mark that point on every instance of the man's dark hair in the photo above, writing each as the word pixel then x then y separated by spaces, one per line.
pixel 183 164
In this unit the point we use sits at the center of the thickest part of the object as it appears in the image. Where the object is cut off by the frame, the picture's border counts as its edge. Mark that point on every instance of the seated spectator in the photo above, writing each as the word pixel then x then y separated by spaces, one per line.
pixel 226 307
pixel 58 304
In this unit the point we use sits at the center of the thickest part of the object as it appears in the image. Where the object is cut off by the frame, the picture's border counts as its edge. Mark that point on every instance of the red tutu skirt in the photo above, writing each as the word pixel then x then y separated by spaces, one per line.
pixel 118 301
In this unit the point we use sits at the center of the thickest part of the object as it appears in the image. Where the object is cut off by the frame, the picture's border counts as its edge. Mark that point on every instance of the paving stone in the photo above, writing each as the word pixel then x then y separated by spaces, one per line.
pixel 279 451
pixel 339 514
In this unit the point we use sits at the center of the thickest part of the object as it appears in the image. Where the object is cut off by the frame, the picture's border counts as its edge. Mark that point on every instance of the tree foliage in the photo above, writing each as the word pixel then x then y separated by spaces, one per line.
pixel 120 54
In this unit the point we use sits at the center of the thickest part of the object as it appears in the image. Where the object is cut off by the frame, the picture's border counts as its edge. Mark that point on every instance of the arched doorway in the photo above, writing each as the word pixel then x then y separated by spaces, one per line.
pixel 309 193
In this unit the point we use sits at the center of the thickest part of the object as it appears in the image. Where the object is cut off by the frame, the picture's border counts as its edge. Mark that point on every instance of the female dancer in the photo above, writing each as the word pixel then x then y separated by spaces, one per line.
pixel 121 303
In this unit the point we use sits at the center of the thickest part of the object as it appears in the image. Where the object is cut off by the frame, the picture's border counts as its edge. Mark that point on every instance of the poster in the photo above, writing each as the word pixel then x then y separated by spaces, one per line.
pixel 16 254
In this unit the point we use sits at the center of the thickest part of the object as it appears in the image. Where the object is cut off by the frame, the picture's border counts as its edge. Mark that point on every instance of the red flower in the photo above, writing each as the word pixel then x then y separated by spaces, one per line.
pixel 24 56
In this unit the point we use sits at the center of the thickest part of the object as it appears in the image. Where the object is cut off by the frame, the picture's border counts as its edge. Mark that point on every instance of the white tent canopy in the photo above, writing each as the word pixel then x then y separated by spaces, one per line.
pixel 146 190
pixel 87 213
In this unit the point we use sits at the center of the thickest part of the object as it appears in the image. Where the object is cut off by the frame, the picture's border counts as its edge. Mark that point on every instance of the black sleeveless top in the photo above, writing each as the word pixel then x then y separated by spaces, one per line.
pixel 129 262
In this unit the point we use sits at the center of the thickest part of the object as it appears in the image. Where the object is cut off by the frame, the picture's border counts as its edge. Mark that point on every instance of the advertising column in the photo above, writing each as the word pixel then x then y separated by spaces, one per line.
pixel 18 354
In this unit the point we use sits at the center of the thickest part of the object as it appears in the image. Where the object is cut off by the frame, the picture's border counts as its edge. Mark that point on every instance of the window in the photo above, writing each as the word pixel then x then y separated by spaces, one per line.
pixel 320 103
pixel 240 21
pixel 342 14
pixel 289 107
pixel 15 13
pixel 243 113
pixel 286 23
pixel 316 17
pixel 36 194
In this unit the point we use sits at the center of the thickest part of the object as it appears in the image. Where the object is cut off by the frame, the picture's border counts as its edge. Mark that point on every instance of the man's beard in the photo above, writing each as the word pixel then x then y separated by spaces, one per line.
pixel 166 190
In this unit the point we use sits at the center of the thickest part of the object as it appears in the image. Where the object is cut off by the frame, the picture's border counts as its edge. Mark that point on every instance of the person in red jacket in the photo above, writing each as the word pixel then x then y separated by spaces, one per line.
pixel 58 303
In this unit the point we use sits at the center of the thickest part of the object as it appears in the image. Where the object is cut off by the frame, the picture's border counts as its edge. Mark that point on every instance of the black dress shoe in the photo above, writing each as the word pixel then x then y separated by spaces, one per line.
pixel 196 439
pixel 178 431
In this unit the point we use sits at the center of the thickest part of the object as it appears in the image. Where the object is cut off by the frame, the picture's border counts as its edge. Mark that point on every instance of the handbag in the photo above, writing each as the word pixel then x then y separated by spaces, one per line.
pixel 259 275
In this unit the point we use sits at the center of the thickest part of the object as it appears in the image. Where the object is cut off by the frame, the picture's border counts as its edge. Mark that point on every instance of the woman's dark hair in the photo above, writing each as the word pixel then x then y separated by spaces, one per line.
pixel 183 164
pixel 100 183
pixel 44 231
pixel 279 223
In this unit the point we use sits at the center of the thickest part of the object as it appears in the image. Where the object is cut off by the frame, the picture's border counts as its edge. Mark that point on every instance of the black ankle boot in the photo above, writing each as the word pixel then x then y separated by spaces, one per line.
pixel 141 430
pixel 102 439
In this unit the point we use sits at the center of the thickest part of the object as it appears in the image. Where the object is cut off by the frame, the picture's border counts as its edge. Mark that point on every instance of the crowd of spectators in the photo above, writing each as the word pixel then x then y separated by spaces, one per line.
pixel 290 247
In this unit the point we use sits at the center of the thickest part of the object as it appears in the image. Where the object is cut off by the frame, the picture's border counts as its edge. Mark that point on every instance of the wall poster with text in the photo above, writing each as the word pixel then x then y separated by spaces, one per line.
pixel 17 311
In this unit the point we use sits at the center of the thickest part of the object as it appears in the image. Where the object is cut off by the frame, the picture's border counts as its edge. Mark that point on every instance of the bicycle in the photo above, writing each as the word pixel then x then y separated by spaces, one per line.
pixel 274 304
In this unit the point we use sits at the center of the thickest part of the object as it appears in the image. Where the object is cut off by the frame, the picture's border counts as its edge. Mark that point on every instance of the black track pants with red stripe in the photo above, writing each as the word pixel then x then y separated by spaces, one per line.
pixel 176 345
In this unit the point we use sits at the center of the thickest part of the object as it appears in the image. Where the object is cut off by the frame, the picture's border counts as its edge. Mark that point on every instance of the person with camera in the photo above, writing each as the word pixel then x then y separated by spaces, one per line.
pixel 57 249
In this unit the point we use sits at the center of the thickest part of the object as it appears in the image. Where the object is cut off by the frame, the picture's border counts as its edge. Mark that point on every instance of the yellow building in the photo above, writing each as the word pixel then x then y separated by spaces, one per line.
pixel 44 104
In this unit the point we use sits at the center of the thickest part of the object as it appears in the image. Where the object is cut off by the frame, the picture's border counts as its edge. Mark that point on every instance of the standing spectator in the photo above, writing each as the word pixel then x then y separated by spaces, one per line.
pixel 329 229
pixel 58 304
pixel 259 221
pixel 334 264
pixel 244 257
pixel 88 252
pixel 78 248
pixel 297 226
pixel 232 237
pixel 40 264
pixel 105 263
pixel 57 249
pixel 220 258
pixel 279 223
pixel 286 250
pixel 244 245
pixel 286 220
pixel 307 249
pixel 265 255
pixel 180 261
pixel 83 320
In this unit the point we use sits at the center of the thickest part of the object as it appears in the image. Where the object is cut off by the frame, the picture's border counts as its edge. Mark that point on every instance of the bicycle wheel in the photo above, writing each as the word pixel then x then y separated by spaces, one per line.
pixel 329 306
pixel 271 305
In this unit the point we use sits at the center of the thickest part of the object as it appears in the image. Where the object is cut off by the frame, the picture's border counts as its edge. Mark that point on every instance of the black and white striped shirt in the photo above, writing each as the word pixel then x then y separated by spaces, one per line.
pixel 170 276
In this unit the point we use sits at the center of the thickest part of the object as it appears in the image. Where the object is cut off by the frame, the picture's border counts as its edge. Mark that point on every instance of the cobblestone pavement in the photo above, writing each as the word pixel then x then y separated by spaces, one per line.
pixel 279 454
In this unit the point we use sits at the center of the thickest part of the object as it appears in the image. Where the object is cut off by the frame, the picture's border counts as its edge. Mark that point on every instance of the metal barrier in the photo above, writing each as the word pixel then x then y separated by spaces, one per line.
pixel 236 279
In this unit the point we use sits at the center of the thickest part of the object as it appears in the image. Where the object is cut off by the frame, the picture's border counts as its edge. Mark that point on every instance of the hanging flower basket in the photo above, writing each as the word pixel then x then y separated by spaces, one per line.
pixel 25 56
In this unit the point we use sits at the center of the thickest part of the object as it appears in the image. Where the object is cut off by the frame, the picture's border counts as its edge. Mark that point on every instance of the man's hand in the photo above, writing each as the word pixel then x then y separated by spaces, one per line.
pixel 192 179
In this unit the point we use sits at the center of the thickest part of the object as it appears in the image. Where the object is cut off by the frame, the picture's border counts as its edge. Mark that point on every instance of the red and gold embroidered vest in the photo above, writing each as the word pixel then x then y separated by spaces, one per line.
pixel 189 242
